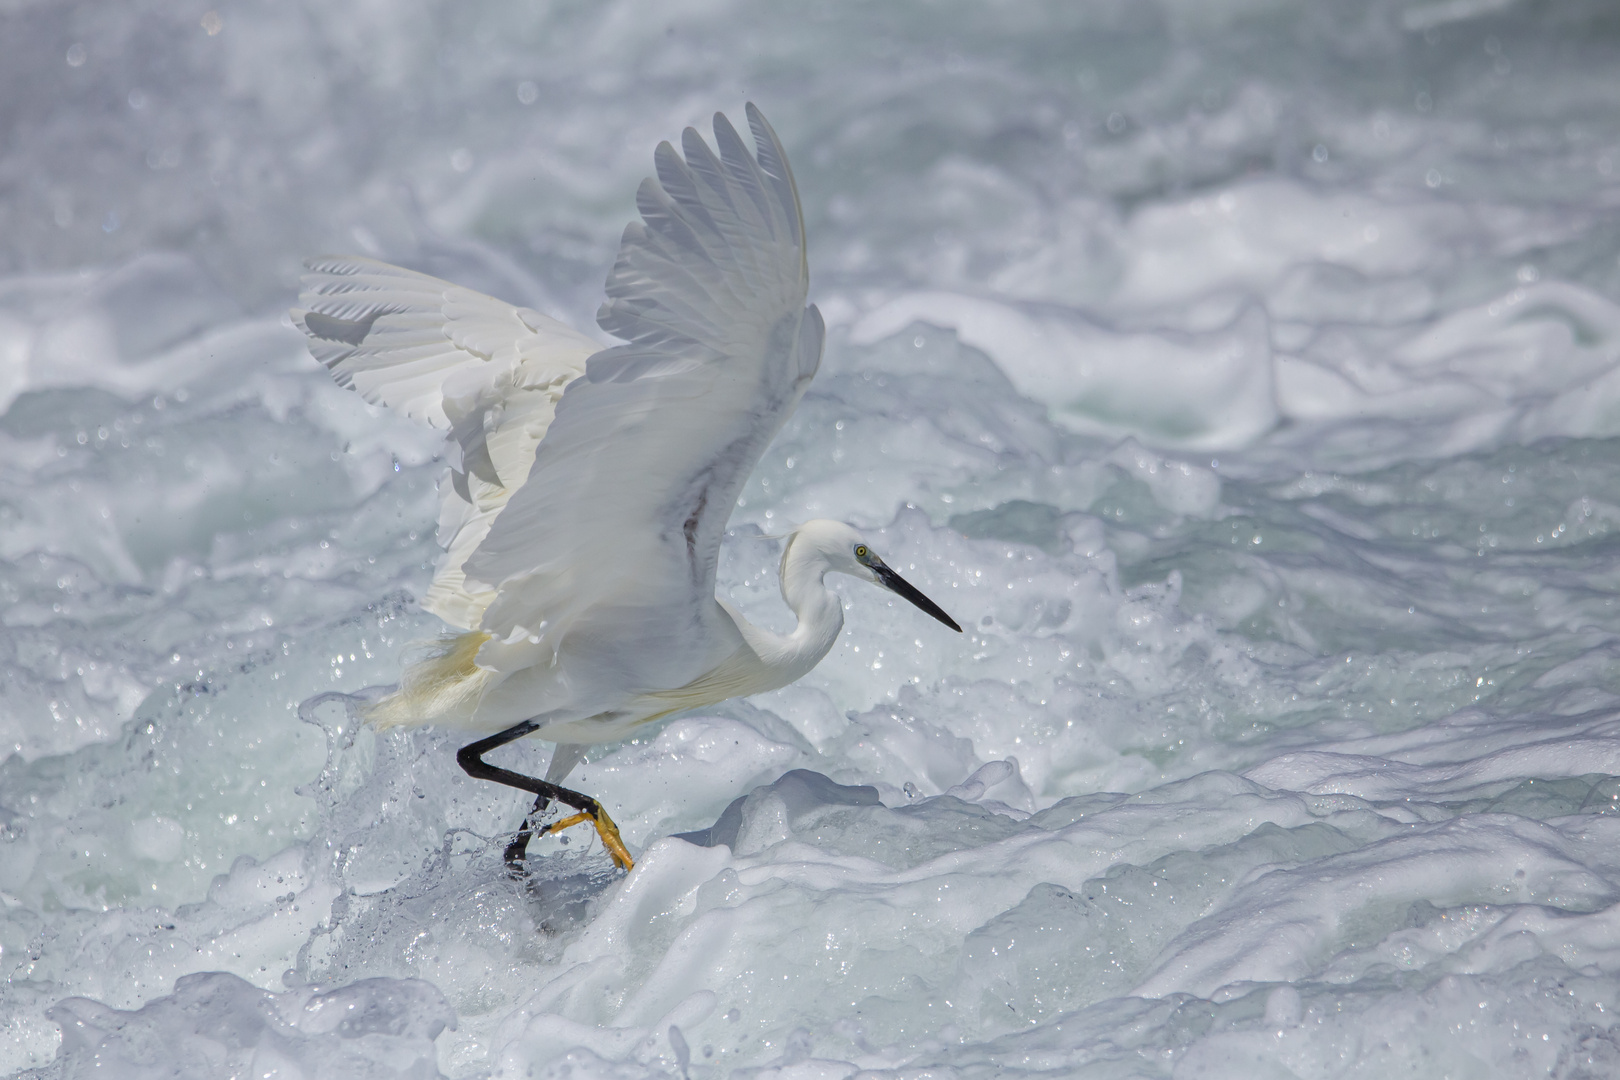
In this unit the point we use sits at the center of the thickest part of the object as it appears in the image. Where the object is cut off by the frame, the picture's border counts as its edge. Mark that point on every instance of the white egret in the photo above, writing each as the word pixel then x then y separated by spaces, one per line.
pixel 590 487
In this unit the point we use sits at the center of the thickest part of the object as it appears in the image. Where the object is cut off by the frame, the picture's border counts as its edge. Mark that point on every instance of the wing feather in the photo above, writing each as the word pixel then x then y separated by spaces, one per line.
pixel 488 373
pixel 616 531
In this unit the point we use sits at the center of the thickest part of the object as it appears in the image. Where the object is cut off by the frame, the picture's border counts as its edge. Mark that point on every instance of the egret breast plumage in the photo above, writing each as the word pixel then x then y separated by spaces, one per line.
pixel 589 487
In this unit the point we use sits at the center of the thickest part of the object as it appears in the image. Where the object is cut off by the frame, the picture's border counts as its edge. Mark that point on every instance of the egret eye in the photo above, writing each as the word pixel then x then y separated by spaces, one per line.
pixel 860 551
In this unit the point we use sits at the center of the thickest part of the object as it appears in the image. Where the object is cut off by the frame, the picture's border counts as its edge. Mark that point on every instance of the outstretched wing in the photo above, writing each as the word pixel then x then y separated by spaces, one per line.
pixel 488 373
pixel 616 533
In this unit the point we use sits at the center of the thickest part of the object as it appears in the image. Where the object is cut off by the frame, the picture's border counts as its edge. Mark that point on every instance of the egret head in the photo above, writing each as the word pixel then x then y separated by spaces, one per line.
pixel 840 549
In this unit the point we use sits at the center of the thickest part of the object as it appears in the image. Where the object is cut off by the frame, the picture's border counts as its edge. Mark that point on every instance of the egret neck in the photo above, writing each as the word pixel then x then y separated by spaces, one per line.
pixel 819 612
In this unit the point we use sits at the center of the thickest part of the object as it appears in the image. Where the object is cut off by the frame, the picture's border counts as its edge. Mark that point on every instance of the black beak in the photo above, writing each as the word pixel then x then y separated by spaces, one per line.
pixel 897 584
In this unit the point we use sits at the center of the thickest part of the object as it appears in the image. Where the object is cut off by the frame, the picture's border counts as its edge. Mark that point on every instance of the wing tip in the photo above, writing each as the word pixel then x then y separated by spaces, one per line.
pixel 341 265
pixel 772 157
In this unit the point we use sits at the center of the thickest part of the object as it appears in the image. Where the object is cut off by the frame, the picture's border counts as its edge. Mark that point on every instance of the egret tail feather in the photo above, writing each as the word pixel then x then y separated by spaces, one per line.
pixel 445 686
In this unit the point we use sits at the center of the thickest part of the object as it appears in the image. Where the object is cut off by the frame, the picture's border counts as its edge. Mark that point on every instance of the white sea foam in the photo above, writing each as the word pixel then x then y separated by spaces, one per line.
pixel 1243 378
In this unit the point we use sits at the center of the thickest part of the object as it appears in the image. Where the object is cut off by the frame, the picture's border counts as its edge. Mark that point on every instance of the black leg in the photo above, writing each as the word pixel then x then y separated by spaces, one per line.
pixel 519 847
pixel 471 759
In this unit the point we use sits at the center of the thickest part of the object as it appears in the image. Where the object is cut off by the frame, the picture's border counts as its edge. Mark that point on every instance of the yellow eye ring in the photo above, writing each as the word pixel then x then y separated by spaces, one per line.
pixel 860 551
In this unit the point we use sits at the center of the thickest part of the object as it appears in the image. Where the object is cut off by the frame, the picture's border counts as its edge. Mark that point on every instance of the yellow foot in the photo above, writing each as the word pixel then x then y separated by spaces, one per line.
pixel 605 828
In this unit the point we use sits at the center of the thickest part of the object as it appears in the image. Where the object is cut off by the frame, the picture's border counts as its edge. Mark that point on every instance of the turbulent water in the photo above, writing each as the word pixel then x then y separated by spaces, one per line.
pixel 1244 376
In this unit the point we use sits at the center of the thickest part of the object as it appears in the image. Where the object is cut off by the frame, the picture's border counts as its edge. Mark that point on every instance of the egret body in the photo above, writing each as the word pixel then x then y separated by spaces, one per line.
pixel 590 487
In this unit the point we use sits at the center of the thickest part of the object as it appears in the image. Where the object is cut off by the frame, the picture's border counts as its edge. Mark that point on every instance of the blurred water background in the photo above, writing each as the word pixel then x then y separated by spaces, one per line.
pixel 1244 375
